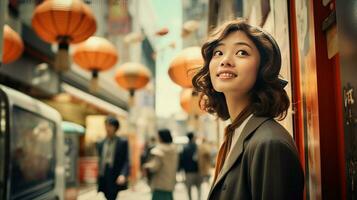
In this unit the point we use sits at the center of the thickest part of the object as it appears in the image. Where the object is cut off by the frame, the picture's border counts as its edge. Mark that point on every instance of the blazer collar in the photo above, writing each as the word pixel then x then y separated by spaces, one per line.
pixel 237 150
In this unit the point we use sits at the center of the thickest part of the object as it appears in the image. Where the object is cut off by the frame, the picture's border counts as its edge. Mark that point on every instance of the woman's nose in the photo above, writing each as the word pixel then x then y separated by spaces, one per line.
pixel 226 61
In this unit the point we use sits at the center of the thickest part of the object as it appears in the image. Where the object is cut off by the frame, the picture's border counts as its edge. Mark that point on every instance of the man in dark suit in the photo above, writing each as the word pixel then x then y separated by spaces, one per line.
pixel 113 161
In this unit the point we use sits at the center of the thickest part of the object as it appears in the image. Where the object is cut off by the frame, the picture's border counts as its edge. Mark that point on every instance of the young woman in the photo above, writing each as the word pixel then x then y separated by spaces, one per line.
pixel 240 78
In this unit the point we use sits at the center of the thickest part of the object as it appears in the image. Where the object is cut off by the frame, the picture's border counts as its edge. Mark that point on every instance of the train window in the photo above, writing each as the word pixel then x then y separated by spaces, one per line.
pixel 32 152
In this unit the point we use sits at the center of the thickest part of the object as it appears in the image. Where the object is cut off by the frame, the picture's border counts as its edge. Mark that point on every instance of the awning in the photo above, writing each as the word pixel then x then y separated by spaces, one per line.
pixel 72 128
pixel 93 100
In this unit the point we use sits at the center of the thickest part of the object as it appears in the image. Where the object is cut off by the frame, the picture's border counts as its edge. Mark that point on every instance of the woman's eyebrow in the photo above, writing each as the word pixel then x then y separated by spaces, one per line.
pixel 242 43
pixel 219 44
pixel 236 44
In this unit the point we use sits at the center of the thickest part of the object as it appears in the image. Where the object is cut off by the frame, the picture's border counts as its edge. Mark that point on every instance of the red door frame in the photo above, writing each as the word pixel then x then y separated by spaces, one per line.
pixel 331 119
pixel 333 184
pixel 296 89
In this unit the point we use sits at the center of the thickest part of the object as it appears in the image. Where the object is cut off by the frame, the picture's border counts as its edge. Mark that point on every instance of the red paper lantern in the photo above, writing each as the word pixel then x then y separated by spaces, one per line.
pixel 95 54
pixel 132 76
pixel 63 22
pixel 13 45
pixel 189 101
pixel 162 31
pixel 184 66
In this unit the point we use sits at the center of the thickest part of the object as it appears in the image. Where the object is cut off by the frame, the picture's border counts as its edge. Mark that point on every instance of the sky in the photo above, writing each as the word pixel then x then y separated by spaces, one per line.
pixel 168 14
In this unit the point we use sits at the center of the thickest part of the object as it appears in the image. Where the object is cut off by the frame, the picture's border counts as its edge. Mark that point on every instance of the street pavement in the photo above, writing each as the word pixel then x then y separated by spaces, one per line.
pixel 141 191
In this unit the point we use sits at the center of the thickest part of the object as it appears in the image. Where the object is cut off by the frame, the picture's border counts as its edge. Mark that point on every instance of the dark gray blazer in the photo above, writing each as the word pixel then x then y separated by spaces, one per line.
pixel 263 164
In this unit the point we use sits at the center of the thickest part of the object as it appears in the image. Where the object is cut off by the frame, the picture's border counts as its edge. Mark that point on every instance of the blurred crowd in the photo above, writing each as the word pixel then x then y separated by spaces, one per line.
pixel 162 159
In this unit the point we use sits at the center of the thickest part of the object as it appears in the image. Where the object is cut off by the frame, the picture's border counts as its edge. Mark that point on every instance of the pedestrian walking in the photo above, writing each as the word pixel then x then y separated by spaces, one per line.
pixel 189 163
pixel 113 161
pixel 163 166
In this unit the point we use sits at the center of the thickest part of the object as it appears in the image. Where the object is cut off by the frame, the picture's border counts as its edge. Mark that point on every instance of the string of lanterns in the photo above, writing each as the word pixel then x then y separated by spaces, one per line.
pixel 72 22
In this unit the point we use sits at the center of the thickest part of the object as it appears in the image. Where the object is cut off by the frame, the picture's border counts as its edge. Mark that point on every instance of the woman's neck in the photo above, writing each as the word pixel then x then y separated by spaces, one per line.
pixel 236 105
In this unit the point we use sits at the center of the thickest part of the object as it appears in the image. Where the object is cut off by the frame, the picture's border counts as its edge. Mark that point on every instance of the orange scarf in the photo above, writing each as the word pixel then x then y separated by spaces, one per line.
pixel 228 135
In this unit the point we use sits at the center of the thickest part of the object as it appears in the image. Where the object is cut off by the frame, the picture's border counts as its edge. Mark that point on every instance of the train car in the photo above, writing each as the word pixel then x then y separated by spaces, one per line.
pixel 31 149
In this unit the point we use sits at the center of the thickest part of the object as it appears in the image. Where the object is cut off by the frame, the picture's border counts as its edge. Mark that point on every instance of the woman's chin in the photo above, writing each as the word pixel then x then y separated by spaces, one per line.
pixel 226 89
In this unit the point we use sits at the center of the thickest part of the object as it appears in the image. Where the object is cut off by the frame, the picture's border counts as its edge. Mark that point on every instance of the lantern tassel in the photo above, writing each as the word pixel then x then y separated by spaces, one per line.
pixel 94 82
pixel 62 59
pixel 131 97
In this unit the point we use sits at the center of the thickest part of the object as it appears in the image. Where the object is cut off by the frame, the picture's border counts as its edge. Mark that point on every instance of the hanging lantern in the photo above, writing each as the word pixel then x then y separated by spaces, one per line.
pixel 132 76
pixel 133 37
pixel 13 45
pixel 95 54
pixel 162 32
pixel 189 27
pixel 189 101
pixel 63 22
pixel 184 66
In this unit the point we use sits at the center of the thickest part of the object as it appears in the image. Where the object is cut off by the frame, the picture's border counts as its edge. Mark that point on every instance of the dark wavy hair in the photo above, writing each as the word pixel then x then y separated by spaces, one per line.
pixel 165 136
pixel 268 97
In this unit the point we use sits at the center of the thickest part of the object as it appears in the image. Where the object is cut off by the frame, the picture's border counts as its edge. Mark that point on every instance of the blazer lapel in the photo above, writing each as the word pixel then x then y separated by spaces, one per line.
pixel 251 126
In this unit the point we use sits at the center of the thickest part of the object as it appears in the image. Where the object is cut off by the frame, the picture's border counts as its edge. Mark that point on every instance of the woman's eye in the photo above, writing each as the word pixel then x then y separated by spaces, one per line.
pixel 217 53
pixel 242 53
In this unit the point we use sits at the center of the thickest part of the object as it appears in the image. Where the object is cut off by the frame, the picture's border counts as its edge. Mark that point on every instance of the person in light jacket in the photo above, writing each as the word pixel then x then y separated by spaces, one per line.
pixel 163 165
pixel 240 80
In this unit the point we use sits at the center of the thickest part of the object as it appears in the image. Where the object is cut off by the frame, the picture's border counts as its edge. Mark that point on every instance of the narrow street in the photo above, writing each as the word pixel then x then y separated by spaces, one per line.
pixel 141 191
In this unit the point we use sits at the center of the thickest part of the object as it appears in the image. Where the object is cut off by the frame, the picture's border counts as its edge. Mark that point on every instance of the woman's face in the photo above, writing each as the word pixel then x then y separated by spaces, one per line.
pixel 234 64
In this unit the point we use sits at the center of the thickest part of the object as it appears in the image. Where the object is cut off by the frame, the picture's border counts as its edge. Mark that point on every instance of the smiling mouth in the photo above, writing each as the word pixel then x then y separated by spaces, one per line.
pixel 226 75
